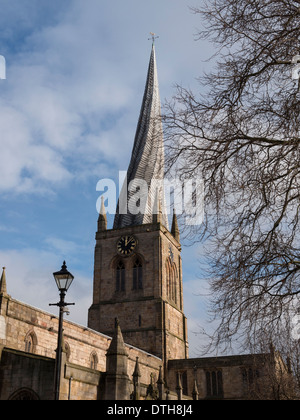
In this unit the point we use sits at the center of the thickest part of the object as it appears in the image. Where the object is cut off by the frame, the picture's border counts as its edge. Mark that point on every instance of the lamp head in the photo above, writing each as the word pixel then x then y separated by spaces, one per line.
pixel 63 278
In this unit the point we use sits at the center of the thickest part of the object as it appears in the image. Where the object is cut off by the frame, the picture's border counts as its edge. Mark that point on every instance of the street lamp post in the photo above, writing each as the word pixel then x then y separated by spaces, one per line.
pixel 63 280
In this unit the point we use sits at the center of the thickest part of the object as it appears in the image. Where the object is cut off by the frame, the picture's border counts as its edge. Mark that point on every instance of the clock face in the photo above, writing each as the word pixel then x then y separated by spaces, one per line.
pixel 126 245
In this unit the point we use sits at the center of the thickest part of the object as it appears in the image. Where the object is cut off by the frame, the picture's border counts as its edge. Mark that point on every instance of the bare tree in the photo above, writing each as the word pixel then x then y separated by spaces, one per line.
pixel 278 354
pixel 241 135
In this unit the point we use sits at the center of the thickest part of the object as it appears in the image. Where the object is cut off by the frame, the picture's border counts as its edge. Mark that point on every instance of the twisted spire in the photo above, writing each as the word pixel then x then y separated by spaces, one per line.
pixel 147 161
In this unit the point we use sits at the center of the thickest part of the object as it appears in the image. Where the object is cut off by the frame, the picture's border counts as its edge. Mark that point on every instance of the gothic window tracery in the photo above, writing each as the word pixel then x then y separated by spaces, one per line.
pixel 94 361
pixel 214 384
pixel 250 379
pixel 172 280
pixel 30 342
pixel 137 275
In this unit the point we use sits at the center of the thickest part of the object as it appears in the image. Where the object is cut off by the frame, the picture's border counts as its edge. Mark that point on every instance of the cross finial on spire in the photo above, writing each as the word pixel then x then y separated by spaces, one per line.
pixel 153 37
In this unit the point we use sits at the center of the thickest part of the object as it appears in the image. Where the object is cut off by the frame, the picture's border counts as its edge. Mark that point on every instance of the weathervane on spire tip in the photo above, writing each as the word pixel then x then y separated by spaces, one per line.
pixel 153 37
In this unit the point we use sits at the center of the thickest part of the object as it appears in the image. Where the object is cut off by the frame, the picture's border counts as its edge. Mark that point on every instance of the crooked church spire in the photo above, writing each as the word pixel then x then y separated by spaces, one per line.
pixel 136 204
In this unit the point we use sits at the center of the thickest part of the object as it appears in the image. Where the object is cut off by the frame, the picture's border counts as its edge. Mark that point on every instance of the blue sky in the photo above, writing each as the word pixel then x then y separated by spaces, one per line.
pixel 69 107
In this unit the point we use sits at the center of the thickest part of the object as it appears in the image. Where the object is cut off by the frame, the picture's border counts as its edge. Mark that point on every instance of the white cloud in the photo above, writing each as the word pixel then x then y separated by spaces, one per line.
pixel 25 164
pixel 62 246
pixel 7 229
pixel 30 280
pixel 74 74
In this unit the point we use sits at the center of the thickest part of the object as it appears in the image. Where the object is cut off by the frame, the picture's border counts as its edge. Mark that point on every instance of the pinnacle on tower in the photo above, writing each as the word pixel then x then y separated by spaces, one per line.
pixel 147 160
pixel 179 388
pixel 175 229
pixel 117 345
pixel 195 391
pixel 137 371
pixel 102 220
pixel 160 384
pixel 3 288
pixel 136 381
pixel 117 379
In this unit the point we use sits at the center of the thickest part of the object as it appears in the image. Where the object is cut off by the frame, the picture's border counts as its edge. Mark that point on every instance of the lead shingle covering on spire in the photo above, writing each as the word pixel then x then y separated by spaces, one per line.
pixel 147 160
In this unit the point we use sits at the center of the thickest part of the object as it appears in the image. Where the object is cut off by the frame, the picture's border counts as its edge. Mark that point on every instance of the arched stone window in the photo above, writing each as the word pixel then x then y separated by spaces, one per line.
pixel 172 281
pixel 30 342
pixel 168 274
pixel 94 361
pixel 137 275
pixel 120 277
pixel 24 394
pixel 214 384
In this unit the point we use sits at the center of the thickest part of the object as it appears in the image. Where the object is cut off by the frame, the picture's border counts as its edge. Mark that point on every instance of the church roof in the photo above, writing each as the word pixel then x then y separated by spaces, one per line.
pixel 147 162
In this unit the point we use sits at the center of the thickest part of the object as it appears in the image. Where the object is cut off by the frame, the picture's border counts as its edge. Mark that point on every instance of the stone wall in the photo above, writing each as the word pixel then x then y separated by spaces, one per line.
pixel 241 377
pixel 25 374
pixel 22 323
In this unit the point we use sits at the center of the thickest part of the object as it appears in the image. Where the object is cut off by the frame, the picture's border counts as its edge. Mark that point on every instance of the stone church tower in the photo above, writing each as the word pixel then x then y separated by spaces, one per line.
pixel 138 271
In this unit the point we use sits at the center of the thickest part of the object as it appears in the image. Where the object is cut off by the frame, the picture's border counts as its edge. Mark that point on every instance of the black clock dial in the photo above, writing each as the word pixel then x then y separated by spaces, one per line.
pixel 126 245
